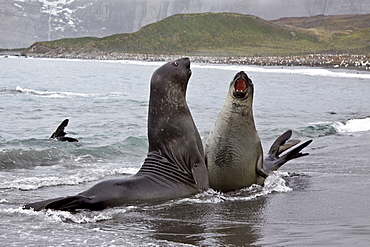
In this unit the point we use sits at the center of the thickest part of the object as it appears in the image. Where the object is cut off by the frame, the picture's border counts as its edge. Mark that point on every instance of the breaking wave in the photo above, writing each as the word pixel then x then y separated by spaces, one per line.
pixel 327 128
pixel 49 94
pixel 47 177
pixel 57 94
pixel 20 154
pixel 353 125
pixel 288 70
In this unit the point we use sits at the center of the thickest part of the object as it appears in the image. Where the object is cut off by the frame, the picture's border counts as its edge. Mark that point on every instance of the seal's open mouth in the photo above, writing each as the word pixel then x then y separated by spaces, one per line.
pixel 240 88
pixel 240 85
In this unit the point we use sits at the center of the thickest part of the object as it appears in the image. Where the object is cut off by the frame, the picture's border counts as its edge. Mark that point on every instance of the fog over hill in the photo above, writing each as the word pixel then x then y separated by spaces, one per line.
pixel 22 22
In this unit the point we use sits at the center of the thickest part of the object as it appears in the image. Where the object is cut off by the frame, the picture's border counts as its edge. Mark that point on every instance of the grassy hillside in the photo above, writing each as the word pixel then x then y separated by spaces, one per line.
pixel 338 33
pixel 218 34
pixel 327 26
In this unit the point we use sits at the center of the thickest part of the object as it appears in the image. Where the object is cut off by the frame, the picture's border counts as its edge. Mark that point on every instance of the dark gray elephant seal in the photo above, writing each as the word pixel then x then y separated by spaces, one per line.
pixel 233 150
pixel 174 166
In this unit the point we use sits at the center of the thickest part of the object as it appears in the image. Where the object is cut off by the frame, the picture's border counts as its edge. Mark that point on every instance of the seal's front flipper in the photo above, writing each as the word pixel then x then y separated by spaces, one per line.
pixel 272 162
pixel 200 175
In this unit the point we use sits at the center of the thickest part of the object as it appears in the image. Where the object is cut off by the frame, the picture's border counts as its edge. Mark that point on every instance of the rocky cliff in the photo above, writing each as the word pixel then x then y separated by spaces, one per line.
pixel 22 22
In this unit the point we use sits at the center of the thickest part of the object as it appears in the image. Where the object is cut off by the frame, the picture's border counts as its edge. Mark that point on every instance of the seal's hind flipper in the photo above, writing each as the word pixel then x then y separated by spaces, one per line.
pixel 273 162
pixel 37 206
pixel 287 145
pixel 282 143
pixel 69 203
pixel 60 130
pixel 296 152
pixel 59 133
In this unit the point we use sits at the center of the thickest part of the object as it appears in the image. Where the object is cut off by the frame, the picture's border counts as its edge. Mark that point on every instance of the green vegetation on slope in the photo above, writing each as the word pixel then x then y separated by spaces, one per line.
pixel 215 34
pixel 338 33
pixel 327 27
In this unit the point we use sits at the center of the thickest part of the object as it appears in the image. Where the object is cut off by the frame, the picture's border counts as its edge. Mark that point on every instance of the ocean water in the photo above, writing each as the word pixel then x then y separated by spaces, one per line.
pixel 318 200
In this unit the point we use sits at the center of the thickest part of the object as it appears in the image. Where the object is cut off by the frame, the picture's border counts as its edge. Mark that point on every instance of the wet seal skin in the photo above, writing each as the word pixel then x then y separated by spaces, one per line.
pixel 233 150
pixel 174 166
pixel 60 135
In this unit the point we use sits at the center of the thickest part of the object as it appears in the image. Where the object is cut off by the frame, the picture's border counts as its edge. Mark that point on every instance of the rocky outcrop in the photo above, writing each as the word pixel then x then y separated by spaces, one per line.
pixel 23 22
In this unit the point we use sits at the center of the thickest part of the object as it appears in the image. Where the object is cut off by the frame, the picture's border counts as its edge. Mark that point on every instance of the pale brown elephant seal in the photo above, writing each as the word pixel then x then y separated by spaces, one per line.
pixel 233 150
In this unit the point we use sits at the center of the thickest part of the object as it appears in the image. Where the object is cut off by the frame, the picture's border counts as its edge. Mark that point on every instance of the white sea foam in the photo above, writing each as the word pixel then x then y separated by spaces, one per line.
pixel 47 180
pixel 91 217
pixel 287 70
pixel 273 183
pixel 255 68
pixel 51 94
pixel 268 69
pixel 17 211
pixel 353 125
pixel 64 216
pixel 63 94
pixel 302 70
pixel 3 201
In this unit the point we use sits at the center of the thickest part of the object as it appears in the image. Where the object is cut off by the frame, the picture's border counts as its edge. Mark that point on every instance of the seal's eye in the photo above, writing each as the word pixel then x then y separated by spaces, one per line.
pixel 175 63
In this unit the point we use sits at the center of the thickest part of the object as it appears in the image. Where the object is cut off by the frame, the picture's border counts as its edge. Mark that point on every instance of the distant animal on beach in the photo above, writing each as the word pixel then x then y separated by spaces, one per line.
pixel 60 135
pixel 9 91
pixel 174 166
pixel 233 150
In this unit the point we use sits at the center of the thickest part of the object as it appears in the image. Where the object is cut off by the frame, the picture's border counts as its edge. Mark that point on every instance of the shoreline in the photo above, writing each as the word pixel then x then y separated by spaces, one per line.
pixel 361 62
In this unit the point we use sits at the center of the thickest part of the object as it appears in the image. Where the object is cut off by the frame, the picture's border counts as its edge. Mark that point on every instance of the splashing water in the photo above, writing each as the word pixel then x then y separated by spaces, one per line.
pixel 353 125
pixel 273 183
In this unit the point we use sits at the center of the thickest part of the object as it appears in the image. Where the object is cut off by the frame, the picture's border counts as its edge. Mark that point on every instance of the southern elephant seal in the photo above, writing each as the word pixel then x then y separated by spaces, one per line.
pixel 174 166
pixel 233 150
